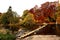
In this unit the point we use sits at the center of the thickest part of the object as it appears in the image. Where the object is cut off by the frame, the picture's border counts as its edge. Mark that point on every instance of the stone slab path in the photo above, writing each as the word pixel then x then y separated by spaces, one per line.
pixel 42 37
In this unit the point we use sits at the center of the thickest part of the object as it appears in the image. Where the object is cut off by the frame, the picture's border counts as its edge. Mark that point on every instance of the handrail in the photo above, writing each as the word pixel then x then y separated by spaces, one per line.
pixel 40 27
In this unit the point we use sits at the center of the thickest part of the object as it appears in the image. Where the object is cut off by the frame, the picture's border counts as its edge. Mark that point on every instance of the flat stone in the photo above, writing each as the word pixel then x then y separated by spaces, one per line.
pixel 42 37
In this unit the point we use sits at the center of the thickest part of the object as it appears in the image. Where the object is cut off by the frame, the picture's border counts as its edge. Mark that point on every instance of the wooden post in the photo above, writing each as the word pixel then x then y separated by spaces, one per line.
pixel 59 1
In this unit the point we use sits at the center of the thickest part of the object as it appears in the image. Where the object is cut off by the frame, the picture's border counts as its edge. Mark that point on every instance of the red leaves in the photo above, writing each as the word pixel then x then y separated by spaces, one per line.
pixel 43 12
pixel 31 10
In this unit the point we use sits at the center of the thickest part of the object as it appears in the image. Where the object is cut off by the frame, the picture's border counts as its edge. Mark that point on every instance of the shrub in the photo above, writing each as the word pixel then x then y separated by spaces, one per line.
pixel 7 36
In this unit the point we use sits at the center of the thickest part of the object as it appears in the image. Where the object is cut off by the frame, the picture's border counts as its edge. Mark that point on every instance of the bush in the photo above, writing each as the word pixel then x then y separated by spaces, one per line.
pixel 7 36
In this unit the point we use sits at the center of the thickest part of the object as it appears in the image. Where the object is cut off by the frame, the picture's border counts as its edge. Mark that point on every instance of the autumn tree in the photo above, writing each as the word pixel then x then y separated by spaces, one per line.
pixel 25 12
pixel 28 21
pixel 45 13
pixel 9 19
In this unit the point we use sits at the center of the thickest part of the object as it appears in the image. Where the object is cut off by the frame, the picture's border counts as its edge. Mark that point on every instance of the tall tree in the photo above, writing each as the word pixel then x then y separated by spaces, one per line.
pixel 10 17
pixel 25 12
pixel 28 21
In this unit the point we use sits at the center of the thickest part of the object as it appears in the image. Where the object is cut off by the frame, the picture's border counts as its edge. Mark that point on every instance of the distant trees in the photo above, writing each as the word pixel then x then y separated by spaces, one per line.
pixel 44 13
pixel 25 12
pixel 28 21
pixel 9 19
pixel 38 15
pixel 4 19
pixel 58 11
pixel 30 18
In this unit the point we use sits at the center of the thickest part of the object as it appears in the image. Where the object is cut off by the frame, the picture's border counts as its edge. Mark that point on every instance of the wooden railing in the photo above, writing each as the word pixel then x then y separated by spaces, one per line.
pixel 40 27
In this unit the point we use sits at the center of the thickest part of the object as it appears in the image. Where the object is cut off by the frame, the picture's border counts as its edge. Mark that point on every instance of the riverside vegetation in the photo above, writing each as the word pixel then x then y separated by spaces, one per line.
pixel 30 20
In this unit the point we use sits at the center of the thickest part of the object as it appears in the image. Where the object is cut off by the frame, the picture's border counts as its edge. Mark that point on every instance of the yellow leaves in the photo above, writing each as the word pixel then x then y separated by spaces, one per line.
pixel 28 17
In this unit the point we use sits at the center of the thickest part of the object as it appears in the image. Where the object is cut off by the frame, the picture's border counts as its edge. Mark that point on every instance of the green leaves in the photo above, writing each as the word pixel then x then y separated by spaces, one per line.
pixel 28 21
pixel 9 17
pixel 25 13
pixel 4 19
pixel 7 36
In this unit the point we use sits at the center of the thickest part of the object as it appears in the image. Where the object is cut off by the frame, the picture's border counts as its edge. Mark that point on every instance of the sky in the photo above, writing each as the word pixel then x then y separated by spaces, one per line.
pixel 20 5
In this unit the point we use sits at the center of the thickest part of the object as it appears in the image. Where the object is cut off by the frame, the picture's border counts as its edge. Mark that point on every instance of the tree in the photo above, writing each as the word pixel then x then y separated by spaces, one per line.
pixel 10 17
pixel 4 19
pixel 45 13
pixel 25 12
pixel 28 21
